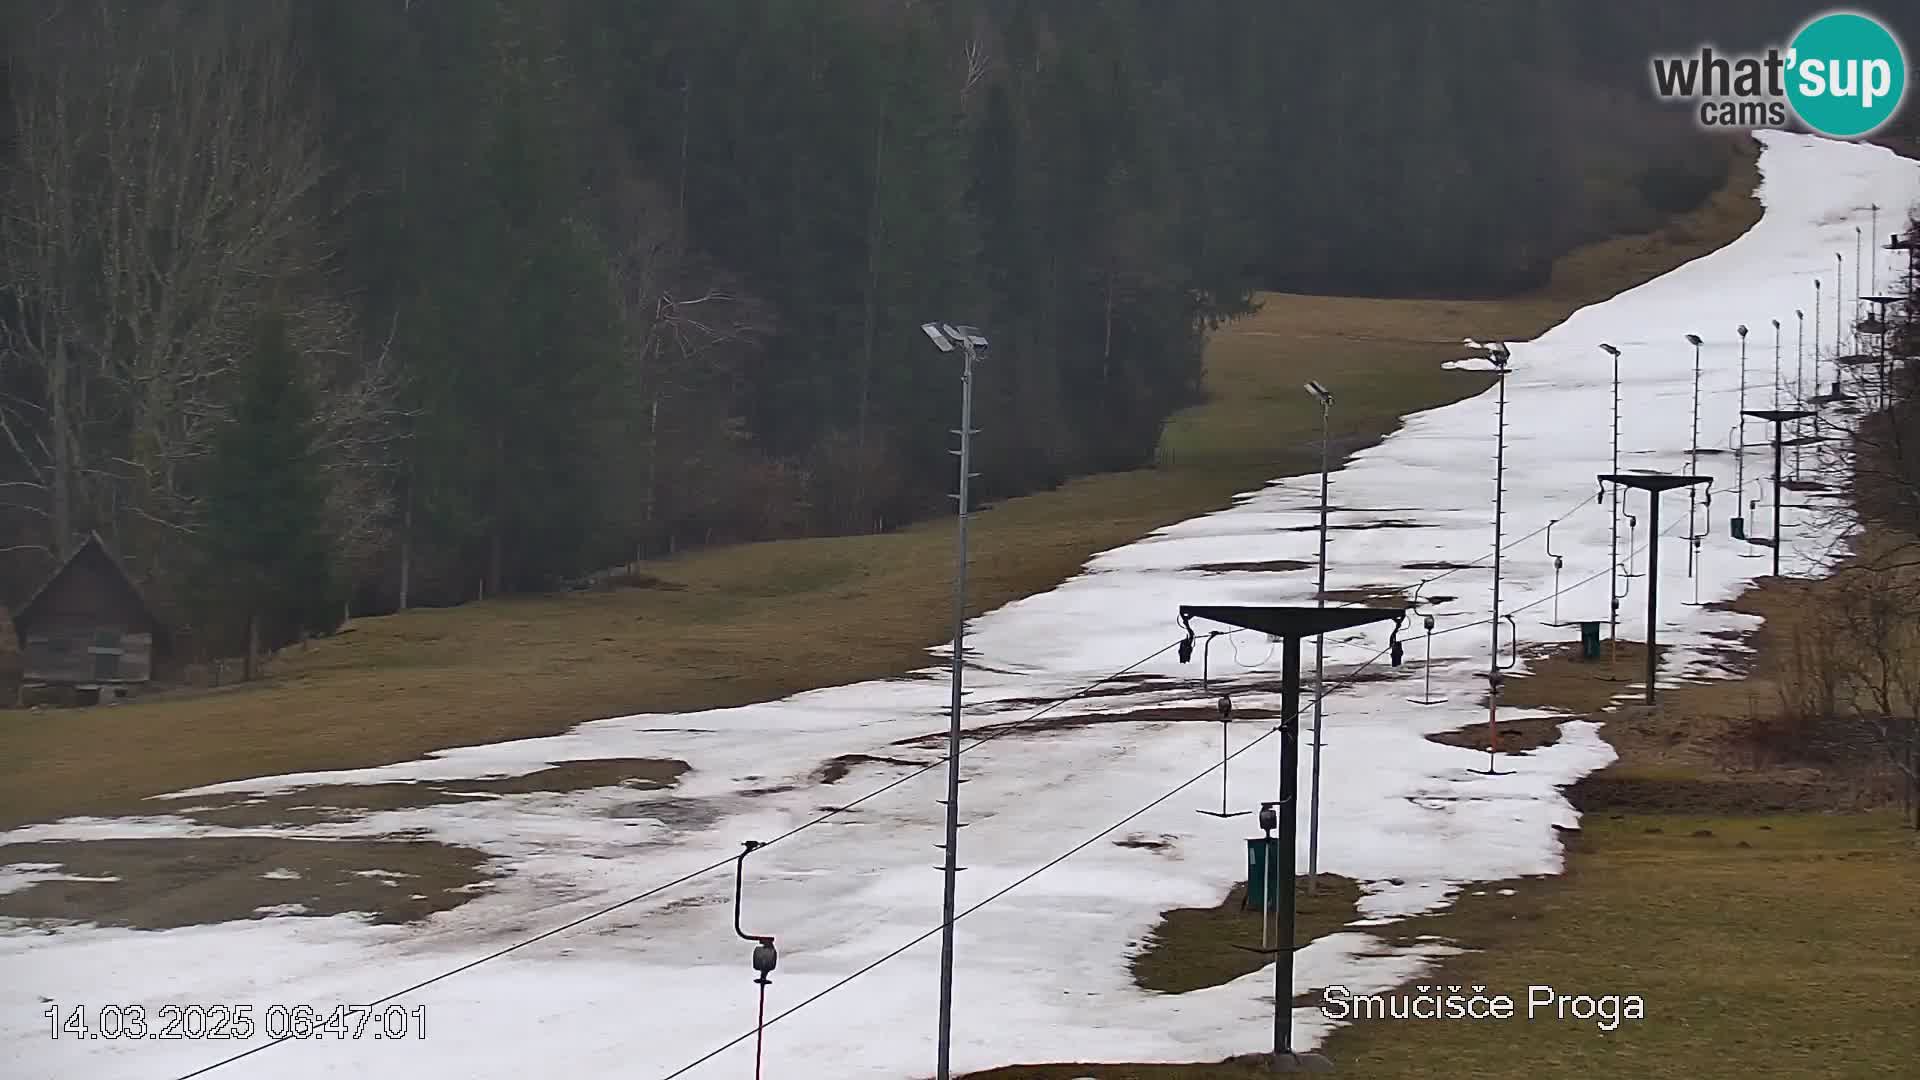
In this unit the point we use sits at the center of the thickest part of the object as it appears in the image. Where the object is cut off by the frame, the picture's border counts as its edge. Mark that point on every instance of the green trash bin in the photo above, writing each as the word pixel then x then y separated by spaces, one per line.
pixel 1259 851
pixel 1590 641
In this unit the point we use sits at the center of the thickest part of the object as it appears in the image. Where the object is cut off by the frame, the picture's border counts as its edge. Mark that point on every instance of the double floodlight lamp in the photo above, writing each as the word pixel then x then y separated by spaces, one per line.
pixel 1320 393
pixel 946 335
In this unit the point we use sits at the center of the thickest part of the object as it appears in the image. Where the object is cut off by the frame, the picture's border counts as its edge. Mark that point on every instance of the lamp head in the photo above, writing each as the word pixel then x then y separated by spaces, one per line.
pixel 938 336
pixel 1610 350
pixel 1320 393
pixel 1743 329
pixel 1695 339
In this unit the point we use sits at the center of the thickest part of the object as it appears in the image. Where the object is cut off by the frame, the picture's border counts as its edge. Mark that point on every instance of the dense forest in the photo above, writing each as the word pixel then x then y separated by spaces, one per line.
pixel 399 302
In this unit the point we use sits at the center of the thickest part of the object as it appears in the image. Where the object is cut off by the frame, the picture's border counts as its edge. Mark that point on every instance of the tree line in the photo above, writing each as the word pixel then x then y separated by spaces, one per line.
pixel 400 302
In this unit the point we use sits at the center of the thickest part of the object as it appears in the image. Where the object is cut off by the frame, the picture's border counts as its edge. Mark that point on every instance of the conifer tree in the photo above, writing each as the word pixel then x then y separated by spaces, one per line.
pixel 266 569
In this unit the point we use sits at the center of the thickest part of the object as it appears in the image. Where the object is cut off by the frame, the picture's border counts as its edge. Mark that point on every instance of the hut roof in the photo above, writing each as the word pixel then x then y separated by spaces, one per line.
pixel 93 548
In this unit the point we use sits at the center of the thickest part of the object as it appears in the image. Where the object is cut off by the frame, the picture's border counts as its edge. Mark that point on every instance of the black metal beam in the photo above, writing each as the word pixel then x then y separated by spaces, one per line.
pixel 1653 484
pixel 1290 624
pixel 1294 622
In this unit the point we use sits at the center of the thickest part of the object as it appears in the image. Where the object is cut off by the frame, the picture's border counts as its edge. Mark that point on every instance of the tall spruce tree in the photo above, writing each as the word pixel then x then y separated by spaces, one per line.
pixel 266 565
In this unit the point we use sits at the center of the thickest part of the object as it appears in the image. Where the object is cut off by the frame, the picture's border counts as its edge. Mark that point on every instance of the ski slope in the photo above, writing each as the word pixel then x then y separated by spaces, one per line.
pixel 1042 970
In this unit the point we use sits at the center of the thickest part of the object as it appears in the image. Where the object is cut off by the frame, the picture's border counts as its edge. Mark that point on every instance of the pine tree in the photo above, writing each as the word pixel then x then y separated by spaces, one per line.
pixel 266 566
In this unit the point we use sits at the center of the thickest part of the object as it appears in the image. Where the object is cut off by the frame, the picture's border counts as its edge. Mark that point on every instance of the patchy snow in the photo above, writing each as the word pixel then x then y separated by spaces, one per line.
pixel 17 876
pixel 1042 972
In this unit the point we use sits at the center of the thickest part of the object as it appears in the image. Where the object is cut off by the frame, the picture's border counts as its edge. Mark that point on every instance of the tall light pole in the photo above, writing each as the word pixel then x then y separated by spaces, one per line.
pixel 1839 286
pixel 1873 272
pixel 1500 355
pixel 1776 363
pixel 1740 450
pixel 1613 525
pixel 1857 290
pixel 1799 383
pixel 1693 460
pixel 1325 398
pixel 1816 337
pixel 970 342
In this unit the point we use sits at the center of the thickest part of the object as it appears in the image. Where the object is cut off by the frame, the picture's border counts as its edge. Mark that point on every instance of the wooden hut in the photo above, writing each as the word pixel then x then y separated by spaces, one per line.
pixel 88 630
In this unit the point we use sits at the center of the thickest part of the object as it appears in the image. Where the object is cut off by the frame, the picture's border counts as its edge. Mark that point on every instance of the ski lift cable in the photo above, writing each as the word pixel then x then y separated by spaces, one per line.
pixel 1008 888
pixel 1305 702
pixel 609 909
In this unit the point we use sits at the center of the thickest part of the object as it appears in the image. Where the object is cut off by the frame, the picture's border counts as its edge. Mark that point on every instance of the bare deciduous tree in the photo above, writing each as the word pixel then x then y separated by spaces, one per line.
pixel 165 196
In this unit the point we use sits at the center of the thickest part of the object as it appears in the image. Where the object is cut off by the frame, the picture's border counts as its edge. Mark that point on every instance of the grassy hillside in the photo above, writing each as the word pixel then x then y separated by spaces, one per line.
pixel 749 623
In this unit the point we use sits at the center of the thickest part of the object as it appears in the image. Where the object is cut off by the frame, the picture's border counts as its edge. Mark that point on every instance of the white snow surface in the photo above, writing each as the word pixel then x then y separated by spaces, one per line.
pixel 1041 971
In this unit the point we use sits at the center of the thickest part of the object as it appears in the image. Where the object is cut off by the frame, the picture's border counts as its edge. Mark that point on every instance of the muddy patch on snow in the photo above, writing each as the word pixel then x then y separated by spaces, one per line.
pixel 161 884
pixel 337 803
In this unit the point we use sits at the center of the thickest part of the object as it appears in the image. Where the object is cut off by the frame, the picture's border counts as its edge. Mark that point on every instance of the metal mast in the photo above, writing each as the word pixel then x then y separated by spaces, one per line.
pixel 945 337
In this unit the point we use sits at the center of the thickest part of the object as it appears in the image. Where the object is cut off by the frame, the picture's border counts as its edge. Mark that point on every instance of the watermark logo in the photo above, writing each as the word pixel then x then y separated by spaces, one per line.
pixel 1606 1012
pixel 1844 74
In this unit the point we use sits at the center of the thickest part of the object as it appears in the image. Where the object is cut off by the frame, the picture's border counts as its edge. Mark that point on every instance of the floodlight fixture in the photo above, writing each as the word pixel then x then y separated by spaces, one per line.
pixel 938 336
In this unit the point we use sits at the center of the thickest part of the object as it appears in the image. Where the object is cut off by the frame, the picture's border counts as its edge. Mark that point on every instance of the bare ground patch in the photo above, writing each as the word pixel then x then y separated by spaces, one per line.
pixel 1516 736
pixel 1194 948
pixel 163 884
pixel 836 769
pixel 1143 842
pixel 1274 566
pixel 334 803
pixel 1172 714
pixel 1121 686
pixel 1557 677
pixel 1362 526
pixel 1388 596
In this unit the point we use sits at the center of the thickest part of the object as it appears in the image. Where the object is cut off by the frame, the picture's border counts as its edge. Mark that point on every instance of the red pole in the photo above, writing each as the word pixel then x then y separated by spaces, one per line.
pixel 760 1031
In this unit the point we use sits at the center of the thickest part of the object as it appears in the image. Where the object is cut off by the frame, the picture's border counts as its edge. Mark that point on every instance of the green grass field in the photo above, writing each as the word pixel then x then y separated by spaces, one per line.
pixel 1782 945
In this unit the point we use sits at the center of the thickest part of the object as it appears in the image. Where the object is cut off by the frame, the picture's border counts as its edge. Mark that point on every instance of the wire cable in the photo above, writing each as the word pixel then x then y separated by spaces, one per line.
pixel 1480 562
pixel 835 811
pixel 1301 706
pixel 609 909
pixel 1016 883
